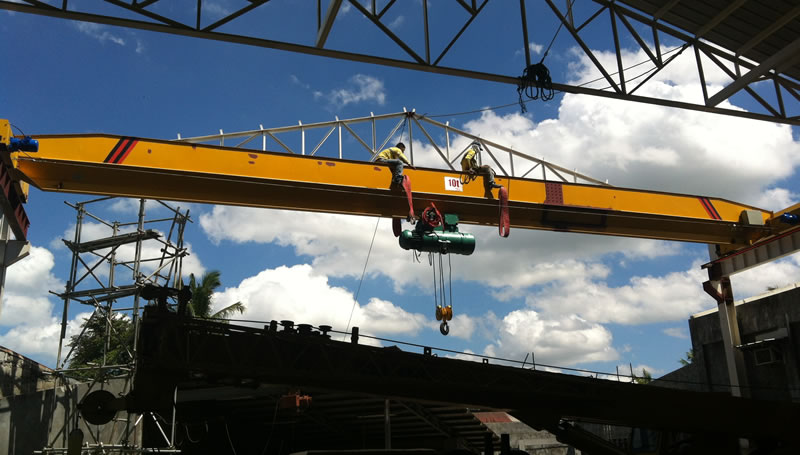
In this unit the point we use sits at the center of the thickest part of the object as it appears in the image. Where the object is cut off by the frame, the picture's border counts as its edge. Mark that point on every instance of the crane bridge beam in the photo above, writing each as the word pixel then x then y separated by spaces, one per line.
pixel 157 169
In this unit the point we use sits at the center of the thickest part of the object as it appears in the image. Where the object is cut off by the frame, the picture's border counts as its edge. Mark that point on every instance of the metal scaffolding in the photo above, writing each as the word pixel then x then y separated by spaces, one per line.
pixel 107 274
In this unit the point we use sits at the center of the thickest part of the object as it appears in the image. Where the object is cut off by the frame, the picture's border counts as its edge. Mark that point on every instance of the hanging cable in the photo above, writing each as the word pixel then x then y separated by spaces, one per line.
pixel 556 92
pixel 450 279
pixel 442 306
pixel 435 288
pixel 358 290
pixel 569 11
pixel 18 129
pixel 229 438
pixel 535 81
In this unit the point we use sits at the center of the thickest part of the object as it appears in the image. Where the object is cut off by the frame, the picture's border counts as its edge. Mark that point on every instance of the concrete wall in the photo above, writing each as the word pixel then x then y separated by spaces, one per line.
pixel 44 418
pixel 19 374
pixel 776 315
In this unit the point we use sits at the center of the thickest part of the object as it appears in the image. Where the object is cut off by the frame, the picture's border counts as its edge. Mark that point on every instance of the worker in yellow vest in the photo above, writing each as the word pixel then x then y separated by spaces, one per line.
pixel 469 164
pixel 394 157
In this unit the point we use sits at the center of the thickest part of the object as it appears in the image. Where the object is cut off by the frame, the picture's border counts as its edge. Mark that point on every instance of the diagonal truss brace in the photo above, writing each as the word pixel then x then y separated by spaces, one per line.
pixel 434 133
pixel 140 15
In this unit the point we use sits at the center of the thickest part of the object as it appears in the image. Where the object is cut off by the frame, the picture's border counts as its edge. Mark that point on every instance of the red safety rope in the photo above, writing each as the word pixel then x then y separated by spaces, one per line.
pixel 407 188
pixel 505 225
pixel 431 216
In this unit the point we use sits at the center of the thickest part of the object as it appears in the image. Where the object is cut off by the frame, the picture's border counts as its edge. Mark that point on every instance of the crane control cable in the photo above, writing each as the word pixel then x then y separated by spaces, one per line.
pixel 363 272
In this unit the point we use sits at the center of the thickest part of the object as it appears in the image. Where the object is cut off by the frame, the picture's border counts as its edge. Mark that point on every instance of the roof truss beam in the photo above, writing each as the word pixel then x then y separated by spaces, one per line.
pixel 619 79
pixel 790 53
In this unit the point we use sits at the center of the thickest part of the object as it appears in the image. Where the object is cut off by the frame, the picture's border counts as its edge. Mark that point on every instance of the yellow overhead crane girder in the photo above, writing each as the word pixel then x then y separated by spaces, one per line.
pixel 147 168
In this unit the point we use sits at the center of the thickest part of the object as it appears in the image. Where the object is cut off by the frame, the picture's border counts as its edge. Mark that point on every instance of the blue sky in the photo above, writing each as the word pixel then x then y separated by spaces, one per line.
pixel 575 300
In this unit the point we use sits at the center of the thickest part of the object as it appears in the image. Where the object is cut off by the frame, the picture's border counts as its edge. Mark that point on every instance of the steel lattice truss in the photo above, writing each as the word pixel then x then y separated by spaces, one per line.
pixel 443 146
pixel 769 78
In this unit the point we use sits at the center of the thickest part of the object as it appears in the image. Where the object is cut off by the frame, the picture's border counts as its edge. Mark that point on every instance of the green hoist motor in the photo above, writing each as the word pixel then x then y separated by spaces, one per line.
pixel 436 234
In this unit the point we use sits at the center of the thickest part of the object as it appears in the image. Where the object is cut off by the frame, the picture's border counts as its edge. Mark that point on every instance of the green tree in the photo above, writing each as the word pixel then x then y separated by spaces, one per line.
pixel 202 297
pixel 87 349
pixel 645 378
pixel 689 358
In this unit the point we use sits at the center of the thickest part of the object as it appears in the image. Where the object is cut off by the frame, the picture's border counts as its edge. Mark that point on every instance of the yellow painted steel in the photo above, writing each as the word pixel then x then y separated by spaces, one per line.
pixel 112 165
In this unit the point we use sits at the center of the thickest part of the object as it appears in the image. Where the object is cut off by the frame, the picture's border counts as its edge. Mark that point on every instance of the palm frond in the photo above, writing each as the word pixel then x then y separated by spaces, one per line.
pixel 229 310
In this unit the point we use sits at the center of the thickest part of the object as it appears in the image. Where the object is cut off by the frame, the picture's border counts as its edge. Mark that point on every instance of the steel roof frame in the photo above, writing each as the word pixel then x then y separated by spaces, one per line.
pixel 746 72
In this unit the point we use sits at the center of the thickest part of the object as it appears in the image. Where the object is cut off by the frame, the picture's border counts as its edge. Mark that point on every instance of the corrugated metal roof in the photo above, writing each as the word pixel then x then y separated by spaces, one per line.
pixel 755 29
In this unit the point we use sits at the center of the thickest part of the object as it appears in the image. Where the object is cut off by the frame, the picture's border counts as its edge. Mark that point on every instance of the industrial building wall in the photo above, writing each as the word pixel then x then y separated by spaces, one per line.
pixel 44 418
pixel 19 374
pixel 769 326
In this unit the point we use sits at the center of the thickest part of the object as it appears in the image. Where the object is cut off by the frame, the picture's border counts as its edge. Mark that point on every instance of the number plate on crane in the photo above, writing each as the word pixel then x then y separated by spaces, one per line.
pixel 453 184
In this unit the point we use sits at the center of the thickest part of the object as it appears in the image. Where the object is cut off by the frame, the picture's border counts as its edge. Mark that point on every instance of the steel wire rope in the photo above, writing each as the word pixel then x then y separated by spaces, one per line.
pixel 435 288
pixel 442 294
pixel 560 25
pixel 271 427
pixel 188 436
pixel 355 299
pixel 450 279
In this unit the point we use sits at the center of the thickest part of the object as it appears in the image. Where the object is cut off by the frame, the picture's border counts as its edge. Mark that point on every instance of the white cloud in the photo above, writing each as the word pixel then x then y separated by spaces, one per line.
pixel 299 294
pixel 560 341
pixel 644 299
pixel 361 88
pixel 338 245
pixel 761 279
pixel 296 80
pixel 397 22
pixel 641 146
pixel 216 9
pixel 130 206
pixel 27 310
pixel 776 199
pixel 677 332
pixel 40 341
pixel 534 48
pixel 98 32
pixel 26 296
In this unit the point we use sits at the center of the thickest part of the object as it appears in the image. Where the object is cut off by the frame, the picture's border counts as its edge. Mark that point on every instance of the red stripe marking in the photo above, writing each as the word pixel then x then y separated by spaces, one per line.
pixel 113 151
pixel 712 212
pixel 713 209
pixel 119 148
pixel 127 150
